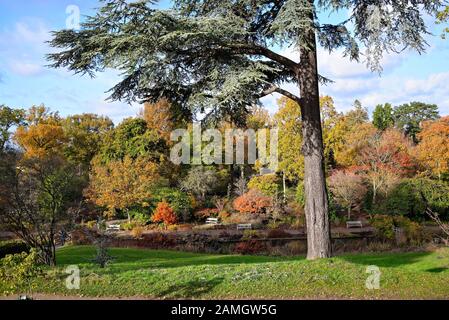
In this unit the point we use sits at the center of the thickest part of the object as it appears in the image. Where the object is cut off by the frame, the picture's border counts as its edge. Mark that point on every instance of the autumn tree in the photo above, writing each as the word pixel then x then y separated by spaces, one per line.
pixel 121 184
pixel 384 159
pixel 9 118
pixel 162 117
pixel 348 189
pixel 267 184
pixel 288 121
pixel 258 118
pixel 383 116
pixel 329 118
pixel 43 135
pixel 433 148
pixel 217 57
pixel 409 116
pixel 253 202
pixel 345 134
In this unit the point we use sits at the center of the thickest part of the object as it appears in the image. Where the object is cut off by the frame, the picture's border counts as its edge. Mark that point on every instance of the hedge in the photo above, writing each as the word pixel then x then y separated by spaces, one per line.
pixel 12 247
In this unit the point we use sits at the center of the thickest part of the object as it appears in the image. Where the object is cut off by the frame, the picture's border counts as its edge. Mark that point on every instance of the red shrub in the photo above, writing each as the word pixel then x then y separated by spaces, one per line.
pixel 165 214
pixel 253 202
pixel 205 213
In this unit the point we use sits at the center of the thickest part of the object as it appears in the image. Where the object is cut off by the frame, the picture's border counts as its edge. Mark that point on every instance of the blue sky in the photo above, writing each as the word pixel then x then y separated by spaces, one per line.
pixel 25 81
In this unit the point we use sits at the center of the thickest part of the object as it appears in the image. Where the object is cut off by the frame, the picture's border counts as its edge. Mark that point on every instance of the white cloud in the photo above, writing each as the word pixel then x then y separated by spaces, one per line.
pixel 34 31
pixel 354 80
pixel 116 110
pixel 435 82
pixel 25 68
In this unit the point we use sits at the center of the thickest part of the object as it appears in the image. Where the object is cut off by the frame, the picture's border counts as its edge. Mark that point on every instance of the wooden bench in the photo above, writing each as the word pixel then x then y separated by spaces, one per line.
pixel 354 224
pixel 247 226
pixel 212 221
pixel 113 227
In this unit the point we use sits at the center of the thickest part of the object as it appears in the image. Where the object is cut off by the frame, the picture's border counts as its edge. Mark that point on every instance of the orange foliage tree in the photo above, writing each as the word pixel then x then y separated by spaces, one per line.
pixel 44 134
pixel 160 117
pixel 121 184
pixel 165 214
pixel 254 202
pixel 433 148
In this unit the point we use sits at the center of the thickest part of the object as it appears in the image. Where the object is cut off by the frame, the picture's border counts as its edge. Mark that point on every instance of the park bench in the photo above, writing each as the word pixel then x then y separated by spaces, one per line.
pixel 247 226
pixel 212 221
pixel 354 224
pixel 113 227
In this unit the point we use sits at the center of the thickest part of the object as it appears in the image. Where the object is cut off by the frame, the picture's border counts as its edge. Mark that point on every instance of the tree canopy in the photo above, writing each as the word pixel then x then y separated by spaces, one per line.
pixel 218 56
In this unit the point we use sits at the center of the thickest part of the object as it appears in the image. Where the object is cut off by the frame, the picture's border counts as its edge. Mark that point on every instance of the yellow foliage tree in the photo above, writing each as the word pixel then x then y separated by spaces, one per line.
pixel 288 121
pixel 348 141
pixel 43 136
pixel 122 183
pixel 433 148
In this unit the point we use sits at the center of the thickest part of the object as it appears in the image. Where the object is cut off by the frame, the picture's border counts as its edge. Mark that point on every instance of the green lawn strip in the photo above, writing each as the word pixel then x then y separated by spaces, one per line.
pixel 170 274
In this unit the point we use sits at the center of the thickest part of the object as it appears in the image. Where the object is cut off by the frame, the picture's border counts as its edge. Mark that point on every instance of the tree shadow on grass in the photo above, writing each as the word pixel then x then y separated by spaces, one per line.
pixel 138 259
pixel 437 270
pixel 190 289
pixel 124 265
pixel 387 260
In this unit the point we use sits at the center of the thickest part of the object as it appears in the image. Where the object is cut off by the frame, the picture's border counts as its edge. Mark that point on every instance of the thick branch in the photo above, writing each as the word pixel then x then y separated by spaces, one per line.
pixel 260 50
pixel 276 89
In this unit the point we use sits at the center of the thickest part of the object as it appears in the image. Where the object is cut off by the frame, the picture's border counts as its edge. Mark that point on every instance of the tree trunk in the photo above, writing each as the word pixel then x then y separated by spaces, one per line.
pixel 316 206
pixel 284 185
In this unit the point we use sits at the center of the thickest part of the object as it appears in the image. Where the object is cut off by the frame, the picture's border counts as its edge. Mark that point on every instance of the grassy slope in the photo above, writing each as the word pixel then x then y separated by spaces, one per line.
pixel 167 274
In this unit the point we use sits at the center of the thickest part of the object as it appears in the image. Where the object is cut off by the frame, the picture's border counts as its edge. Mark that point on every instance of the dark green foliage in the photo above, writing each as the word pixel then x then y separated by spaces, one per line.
pixel 406 199
pixel 179 201
pixel 383 116
pixel 8 119
pixel 85 133
pixel 132 138
pixel 387 228
pixel 140 216
pixel 12 247
pixel 409 116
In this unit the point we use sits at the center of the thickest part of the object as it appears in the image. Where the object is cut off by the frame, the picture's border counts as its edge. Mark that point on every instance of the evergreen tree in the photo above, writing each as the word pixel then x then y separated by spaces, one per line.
pixel 409 117
pixel 217 57
pixel 383 116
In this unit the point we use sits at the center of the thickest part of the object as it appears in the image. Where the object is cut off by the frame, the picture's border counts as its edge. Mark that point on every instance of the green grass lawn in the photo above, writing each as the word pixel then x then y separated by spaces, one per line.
pixel 168 274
